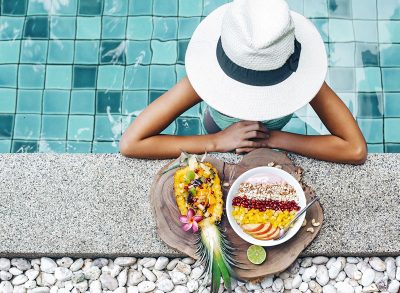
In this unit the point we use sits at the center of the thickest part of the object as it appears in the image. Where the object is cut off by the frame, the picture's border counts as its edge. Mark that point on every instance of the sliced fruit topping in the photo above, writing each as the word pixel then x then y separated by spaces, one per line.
pixel 262 231
pixel 252 227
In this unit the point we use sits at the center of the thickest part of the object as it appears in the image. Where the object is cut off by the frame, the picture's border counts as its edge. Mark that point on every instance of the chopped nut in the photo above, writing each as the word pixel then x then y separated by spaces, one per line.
pixel 225 184
pixel 271 164
pixel 311 229
pixel 304 223
pixel 278 166
pixel 314 223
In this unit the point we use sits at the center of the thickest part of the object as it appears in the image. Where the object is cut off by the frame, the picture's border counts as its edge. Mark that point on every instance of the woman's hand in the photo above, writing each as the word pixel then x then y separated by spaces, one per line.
pixel 242 137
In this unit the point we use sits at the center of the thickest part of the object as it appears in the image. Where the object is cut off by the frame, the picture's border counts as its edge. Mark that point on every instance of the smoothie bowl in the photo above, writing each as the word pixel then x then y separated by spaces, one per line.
pixel 262 202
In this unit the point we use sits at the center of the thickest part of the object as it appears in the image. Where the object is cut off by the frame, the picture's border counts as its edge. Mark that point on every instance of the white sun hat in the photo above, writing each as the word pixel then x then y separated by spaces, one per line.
pixel 256 60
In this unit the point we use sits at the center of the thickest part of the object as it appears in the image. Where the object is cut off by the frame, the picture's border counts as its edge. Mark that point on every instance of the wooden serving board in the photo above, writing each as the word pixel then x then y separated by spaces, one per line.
pixel 278 258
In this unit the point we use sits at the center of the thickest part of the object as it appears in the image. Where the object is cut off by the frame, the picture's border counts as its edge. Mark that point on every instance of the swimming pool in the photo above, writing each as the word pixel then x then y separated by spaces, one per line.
pixel 75 73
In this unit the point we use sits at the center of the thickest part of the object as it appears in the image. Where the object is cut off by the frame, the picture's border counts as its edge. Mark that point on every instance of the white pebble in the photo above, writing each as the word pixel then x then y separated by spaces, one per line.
pixel 253 285
pixel 371 288
pixel 146 286
pixel 165 285
pixel 134 277
pixel 394 286
pixel 319 260
pixel 95 287
pixel 30 284
pixel 192 285
pixel 68 285
pixel 315 287
pixel 82 286
pixel 125 261
pixel 322 275
pixel 41 290
pixel 108 282
pixel 330 262
pixel 19 289
pixel 47 265
pixel 77 277
pixel 398 273
pixel 295 291
pixel 284 275
pixel 6 287
pixel 377 264
pixel 349 269
pixel 287 283
pixel 65 262
pixel 306 262
pixel 295 282
pixel 31 274
pixel 335 269
pixel 19 280
pixel 133 289
pixel 14 271
pixel 367 277
pixel 5 276
pixel 54 289
pixel 180 289
pixel 5 264
pixel 62 274
pixel 341 277
pixel 21 264
pixel 120 290
pixel 343 287
pixel 161 263
pixel 76 265
pixel 148 262
pixel 178 278
pixel 362 266
pixel 391 268
pixel 309 273
pixel 45 279
pixel 357 275
pixel 266 282
pixel 358 289
pixel 171 265
pixel 197 272
pixel 149 275
pixel 100 262
pixel 303 287
pixel 92 273
pixel 188 261
pixel 329 289
pixel 352 260
pixel 183 268
pixel 277 285
pixel 122 277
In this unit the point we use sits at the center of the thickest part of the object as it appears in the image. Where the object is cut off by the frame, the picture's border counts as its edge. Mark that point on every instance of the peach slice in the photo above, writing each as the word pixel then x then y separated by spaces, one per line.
pixel 252 227
pixel 267 227
pixel 267 235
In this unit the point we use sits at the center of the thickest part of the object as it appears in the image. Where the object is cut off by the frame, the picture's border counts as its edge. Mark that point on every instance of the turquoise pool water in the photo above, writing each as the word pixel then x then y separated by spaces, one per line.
pixel 75 73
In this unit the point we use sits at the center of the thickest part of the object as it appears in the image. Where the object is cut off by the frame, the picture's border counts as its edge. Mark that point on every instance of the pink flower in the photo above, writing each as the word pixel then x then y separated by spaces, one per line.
pixel 190 221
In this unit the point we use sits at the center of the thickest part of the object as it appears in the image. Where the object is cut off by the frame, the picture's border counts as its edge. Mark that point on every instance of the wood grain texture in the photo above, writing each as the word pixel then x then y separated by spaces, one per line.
pixel 279 257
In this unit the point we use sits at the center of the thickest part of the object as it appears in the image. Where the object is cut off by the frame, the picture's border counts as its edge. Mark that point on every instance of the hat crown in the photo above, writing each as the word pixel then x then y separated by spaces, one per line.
pixel 258 34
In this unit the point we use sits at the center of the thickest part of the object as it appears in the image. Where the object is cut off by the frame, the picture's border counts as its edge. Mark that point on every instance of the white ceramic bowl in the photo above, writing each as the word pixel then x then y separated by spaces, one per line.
pixel 267 171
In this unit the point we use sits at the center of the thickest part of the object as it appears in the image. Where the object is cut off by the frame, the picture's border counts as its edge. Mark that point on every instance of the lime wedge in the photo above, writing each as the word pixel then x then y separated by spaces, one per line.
pixel 256 254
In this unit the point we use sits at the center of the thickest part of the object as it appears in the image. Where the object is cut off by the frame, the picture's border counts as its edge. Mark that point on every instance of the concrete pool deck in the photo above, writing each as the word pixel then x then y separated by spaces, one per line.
pixel 98 205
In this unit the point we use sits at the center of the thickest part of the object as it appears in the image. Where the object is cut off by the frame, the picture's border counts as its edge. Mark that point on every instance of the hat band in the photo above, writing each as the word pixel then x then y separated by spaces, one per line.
pixel 258 77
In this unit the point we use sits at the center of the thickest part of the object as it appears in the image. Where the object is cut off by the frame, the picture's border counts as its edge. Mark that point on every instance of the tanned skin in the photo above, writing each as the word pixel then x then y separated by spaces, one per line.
pixel 142 139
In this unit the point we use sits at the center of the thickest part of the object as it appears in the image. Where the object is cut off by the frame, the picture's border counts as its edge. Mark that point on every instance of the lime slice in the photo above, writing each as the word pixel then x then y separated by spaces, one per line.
pixel 256 254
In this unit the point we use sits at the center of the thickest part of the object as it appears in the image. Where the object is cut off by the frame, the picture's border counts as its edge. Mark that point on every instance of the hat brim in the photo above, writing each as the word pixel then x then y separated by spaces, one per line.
pixel 248 102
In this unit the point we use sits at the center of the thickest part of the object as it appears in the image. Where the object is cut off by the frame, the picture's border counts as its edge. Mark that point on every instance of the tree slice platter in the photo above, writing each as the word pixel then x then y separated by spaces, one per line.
pixel 278 257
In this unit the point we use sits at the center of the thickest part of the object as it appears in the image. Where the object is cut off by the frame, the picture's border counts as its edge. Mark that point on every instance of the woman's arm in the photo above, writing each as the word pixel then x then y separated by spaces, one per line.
pixel 142 138
pixel 346 143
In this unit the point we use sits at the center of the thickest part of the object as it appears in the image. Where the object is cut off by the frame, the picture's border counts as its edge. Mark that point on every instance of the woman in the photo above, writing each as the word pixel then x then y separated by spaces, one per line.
pixel 254 63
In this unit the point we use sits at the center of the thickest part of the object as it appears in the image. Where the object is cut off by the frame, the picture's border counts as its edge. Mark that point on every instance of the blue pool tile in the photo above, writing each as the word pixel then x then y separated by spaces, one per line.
pixel 62 27
pixel 154 95
pixel 187 26
pixel 136 77
pixel 341 30
pixel 367 54
pixel 314 126
pixel 388 9
pixel 36 27
pixel 192 112
pixel 9 51
pixel 390 79
pixel 139 28
pixel 14 7
pixel 86 52
pixel 140 7
pixel 7 100
pixel 56 102
pixel 108 127
pixel 37 8
pixel 27 126
pixel 322 25
pixel 23 146
pixel 389 31
pixel 79 147
pixel 368 79
pixel 105 147
pixel 375 148
pixel 88 28
pixel 392 104
pixel 392 133
pixel 364 9
pixel 31 76
pixel 162 77
pixel 108 102
pixel 112 52
pixel 190 8
pixel 133 102
pixel 117 8
pixel 48 146
pixel 342 79
pixel 296 125
pixel 61 52
pixel 33 51
pixel 341 54
pixel 29 101
pixel 392 148
pixel 370 105
pixel 210 6
pixel 8 75
pixel 58 76
pixel 389 55
pixel 340 8
pixel 188 126
pixel 315 8
pixel 84 77
pixel 82 102
pixel 180 71
pixel 165 7
pixel 171 129
pixel 5 146
pixel 350 101
pixel 80 127
pixel 165 28
pixel 138 52
pixel 7 124
pixel 164 52
pixel 12 27
pixel 69 8
pixel 372 129
pixel 296 5
pixel 365 30
pixel 182 47
pixel 90 7
pixel 54 127
pixel 110 77
pixel 113 27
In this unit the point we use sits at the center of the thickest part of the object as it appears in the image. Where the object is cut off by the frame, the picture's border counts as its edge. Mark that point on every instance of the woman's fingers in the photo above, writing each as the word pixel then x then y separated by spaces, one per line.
pixel 252 144
pixel 254 134
pixel 255 126
pixel 244 150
